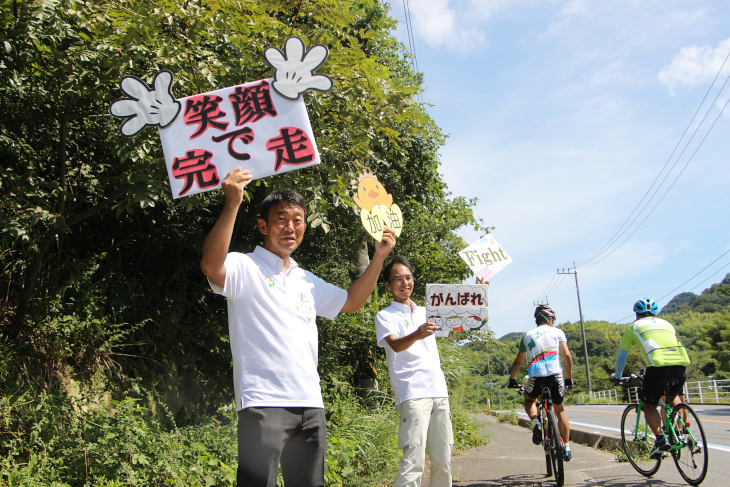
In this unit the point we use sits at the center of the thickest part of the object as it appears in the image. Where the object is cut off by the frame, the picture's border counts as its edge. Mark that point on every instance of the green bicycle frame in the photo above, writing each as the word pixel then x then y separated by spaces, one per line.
pixel 668 427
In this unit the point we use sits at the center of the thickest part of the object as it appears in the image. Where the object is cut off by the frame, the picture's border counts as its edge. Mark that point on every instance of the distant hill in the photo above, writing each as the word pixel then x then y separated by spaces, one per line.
pixel 511 337
pixel 710 301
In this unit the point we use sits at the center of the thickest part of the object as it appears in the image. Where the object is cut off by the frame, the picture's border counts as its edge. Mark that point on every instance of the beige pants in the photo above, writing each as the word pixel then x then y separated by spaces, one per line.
pixel 425 423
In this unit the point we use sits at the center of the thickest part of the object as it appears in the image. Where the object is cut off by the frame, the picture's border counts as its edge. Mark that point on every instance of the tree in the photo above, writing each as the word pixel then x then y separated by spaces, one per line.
pixel 716 339
pixel 100 265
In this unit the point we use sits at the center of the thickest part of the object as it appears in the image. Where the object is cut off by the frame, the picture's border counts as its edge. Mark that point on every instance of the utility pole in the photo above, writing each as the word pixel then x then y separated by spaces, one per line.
pixel 574 273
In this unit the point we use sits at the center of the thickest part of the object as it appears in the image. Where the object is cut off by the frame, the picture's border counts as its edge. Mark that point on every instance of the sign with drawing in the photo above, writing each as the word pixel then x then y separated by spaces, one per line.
pixel 457 307
pixel 377 208
pixel 485 257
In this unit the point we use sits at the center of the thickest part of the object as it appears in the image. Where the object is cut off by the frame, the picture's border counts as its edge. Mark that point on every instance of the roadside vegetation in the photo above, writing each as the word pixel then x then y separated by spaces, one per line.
pixel 115 365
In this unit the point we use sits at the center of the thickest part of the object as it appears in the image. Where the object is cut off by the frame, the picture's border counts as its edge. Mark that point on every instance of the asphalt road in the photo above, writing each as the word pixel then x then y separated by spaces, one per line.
pixel 510 459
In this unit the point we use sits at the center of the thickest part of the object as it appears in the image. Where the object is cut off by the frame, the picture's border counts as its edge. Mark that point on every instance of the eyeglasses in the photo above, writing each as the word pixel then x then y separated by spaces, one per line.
pixel 402 279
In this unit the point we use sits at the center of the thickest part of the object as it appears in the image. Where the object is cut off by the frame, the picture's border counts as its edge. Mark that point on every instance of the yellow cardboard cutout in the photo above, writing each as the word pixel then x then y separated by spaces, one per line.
pixel 377 208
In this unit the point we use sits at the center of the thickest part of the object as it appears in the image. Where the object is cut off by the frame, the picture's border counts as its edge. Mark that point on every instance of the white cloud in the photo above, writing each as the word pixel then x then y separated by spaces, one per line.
pixel 694 65
pixel 439 25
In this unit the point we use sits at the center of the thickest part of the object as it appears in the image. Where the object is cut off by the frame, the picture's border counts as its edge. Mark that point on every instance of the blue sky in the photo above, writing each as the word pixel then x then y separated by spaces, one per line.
pixel 560 116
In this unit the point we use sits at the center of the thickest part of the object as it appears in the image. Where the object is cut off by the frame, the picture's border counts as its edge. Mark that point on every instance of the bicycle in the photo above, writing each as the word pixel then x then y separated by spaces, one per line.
pixel 687 450
pixel 552 442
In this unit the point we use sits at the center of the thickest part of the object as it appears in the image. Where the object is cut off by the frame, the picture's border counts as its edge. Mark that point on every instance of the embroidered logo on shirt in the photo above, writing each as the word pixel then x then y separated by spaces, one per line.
pixel 270 282
pixel 306 307
pixel 407 323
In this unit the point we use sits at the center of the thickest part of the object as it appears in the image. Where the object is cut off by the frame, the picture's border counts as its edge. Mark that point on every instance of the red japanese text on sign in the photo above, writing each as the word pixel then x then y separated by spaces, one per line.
pixel 204 111
pixel 195 167
pixel 292 147
pixel 252 103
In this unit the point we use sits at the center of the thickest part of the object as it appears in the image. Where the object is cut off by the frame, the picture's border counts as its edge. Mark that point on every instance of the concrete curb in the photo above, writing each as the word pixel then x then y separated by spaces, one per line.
pixel 593 440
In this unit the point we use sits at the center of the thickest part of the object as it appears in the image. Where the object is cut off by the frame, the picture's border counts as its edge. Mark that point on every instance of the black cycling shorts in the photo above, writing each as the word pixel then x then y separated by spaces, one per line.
pixel 533 387
pixel 654 377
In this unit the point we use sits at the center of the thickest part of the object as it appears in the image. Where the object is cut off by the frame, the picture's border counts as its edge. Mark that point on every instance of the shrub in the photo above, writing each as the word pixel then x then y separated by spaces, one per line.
pixel 51 439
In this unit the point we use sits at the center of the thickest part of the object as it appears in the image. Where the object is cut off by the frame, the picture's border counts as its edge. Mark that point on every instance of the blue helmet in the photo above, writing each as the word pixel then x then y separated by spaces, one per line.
pixel 646 305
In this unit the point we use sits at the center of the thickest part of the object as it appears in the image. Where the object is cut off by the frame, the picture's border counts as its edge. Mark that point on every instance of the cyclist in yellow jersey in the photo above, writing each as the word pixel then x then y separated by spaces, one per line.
pixel 665 358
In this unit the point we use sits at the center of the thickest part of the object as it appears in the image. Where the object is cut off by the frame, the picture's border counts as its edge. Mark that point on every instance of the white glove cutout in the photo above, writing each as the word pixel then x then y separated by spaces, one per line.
pixel 144 106
pixel 294 68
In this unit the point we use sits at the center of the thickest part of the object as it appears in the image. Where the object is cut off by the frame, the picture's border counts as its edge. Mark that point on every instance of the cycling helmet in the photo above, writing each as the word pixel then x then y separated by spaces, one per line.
pixel 545 311
pixel 646 305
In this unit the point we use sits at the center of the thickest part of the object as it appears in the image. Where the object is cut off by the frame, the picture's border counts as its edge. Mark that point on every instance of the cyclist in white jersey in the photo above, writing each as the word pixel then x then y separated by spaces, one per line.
pixel 543 346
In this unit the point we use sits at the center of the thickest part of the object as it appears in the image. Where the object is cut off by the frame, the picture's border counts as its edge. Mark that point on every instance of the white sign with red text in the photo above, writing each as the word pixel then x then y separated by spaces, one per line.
pixel 248 125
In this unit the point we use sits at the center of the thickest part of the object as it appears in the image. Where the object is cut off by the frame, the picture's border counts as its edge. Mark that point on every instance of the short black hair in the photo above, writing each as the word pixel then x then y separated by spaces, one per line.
pixel 396 260
pixel 284 195
pixel 540 320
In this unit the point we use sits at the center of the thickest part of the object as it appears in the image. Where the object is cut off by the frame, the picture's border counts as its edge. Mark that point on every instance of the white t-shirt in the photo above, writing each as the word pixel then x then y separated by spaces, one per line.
pixel 542 345
pixel 415 373
pixel 273 330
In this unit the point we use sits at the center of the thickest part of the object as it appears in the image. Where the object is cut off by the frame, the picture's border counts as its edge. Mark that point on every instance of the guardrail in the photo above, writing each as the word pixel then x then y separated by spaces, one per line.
pixel 715 391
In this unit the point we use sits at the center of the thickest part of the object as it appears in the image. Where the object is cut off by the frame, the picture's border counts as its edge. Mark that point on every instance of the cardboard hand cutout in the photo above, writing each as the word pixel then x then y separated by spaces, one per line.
pixel 145 106
pixel 294 68
pixel 250 125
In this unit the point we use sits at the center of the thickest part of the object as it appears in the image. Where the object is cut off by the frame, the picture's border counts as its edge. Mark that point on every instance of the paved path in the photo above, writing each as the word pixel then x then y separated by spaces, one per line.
pixel 511 460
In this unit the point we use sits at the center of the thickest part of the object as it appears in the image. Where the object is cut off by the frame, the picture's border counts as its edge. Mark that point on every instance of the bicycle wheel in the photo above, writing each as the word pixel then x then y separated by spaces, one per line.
pixel 637 441
pixel 691 458
pixel 546 444
pixel 556 448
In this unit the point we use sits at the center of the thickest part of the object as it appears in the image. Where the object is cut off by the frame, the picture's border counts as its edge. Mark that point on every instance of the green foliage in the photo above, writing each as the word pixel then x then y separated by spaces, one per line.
pixel 54 440
pixel 713 299
pixel 716 339
pixel 508 417
pixel 100 265
pixel 128 280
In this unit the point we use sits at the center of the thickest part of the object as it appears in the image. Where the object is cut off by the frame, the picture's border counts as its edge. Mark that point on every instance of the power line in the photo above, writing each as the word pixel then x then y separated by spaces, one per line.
pixel 411 38
pixel 703 270
pixel 685 282
pixel 549 284
pixel 665 193
pixel 619 232
pixel 557 285
pixel 713 275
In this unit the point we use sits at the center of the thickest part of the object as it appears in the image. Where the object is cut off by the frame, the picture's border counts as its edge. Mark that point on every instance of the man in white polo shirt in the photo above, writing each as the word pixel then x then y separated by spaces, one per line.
pixel 272 310
pixel 419 385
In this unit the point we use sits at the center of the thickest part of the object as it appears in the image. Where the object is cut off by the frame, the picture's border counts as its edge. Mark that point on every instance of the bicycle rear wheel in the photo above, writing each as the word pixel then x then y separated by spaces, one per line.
pixel 556 448
pixel 691 459
pixel 637 441
pixel 546 443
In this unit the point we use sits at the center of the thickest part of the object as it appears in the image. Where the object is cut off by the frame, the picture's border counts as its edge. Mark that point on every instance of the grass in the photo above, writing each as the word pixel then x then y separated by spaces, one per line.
pixel 508 417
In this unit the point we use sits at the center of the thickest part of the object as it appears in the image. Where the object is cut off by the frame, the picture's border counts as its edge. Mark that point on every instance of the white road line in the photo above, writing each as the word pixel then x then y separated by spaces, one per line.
pixel 714 446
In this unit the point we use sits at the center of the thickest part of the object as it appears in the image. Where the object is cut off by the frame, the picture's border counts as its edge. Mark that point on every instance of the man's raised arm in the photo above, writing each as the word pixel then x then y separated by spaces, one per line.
pixel 215 247
pixel 361 289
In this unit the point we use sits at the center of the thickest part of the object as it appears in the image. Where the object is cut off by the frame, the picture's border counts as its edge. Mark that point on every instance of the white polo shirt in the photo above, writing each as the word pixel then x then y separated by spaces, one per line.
pixel 272 325
pixel 415 373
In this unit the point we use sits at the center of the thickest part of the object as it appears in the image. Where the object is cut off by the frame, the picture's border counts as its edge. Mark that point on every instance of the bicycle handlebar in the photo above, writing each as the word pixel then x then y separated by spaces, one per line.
pixel 622 381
